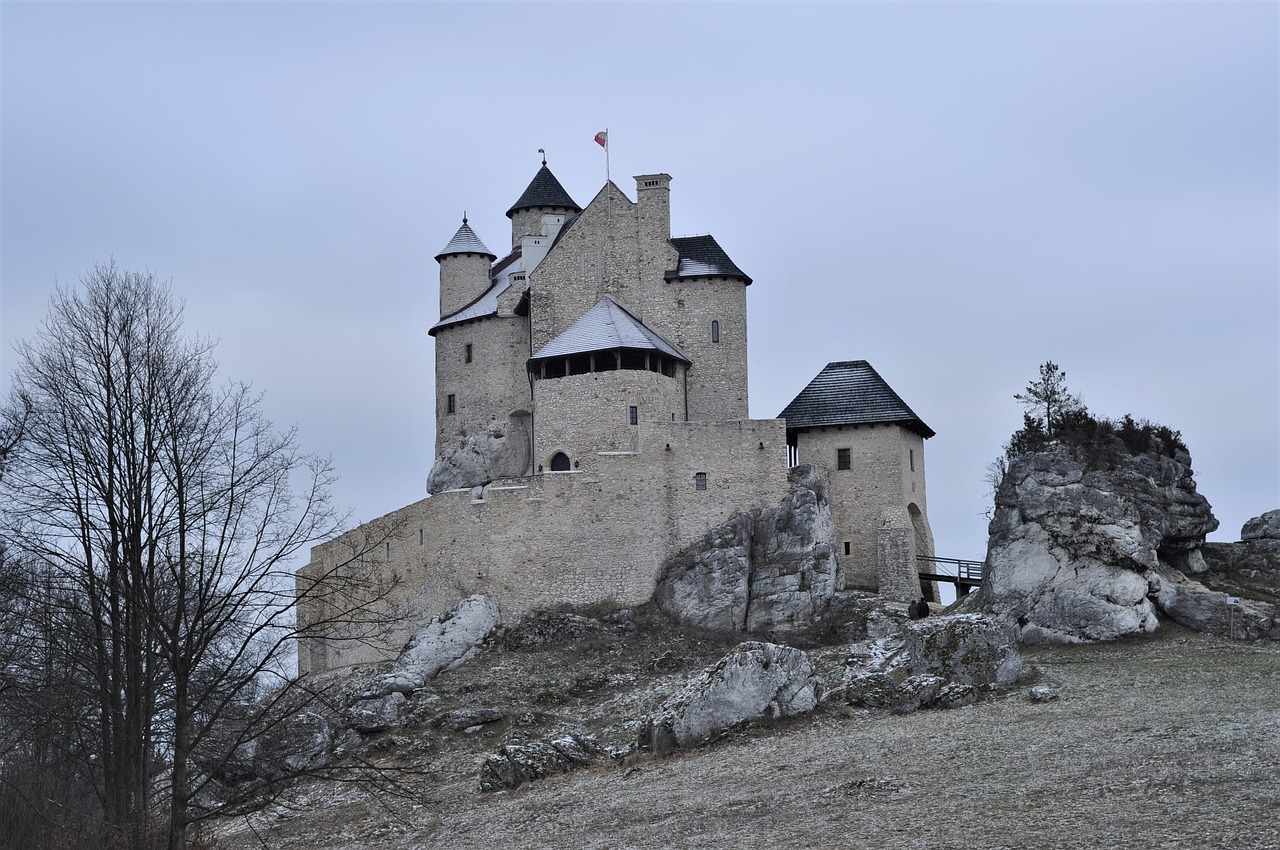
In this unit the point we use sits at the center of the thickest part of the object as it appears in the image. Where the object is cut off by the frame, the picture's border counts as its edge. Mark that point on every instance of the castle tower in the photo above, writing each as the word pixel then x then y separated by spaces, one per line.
pixel 543 195
pixel 465 265
pixel 851 426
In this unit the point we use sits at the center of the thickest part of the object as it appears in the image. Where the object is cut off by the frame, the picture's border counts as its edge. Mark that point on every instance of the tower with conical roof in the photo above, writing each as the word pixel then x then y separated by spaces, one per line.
pixel 543 196
pixel 464 269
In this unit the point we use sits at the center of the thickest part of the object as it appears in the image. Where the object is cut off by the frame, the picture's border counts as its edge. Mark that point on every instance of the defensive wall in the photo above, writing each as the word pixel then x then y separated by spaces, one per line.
pixel 583 536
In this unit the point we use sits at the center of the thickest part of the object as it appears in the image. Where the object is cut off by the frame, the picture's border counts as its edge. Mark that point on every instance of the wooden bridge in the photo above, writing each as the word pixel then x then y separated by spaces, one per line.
pixel 963 574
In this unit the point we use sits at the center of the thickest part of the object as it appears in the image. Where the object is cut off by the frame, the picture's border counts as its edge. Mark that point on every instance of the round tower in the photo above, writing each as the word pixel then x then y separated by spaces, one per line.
pixel 465 265
pixel 543 195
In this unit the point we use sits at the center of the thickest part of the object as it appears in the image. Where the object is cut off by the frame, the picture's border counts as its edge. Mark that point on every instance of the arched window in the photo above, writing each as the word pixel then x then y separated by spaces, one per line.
pixel 715 330
pixel 559 462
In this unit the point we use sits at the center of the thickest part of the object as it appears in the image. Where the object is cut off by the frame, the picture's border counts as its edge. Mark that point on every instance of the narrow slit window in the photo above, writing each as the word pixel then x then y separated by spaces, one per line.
pixel 846 547
pixel 420 535
pixel 468 352
pixel 700 481
pixel 451 404
pixel 715 331
pixel 633 415
pixel 911 454
pixel 843 460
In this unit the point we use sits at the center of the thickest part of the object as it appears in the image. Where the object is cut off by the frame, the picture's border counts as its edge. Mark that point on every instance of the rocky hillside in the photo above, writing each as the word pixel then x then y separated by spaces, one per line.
pixel 1170 740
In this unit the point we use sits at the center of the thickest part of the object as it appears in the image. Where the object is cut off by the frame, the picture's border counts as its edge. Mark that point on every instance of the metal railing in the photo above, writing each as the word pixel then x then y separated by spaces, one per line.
pixel 955 570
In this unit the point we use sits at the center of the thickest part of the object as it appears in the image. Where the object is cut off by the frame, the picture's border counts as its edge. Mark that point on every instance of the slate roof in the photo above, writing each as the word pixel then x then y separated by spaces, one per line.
pixel 605 327
pixel 702 256
pixel 544 191
pixel 487 303
pixel 850 393
pixel 465 241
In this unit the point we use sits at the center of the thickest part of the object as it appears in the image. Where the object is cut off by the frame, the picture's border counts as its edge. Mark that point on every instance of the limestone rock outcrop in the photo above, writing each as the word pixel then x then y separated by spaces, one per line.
pixel 500 451
pixel 755 681
pixel 1071 545
pixel 446 642
pixel 770 571
pixel 515 764
pixel 943 662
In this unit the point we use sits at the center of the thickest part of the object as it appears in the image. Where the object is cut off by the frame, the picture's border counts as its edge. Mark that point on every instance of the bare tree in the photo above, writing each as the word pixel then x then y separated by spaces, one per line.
pixel 158 514
pixel 1049 393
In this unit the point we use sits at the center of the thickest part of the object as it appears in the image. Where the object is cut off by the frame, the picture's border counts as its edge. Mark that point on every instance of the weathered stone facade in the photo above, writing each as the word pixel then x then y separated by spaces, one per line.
pixel 874 532
pixel 620 354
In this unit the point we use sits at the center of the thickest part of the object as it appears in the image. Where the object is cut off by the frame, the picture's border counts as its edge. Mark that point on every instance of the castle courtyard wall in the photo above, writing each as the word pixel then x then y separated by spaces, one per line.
pixel 535 542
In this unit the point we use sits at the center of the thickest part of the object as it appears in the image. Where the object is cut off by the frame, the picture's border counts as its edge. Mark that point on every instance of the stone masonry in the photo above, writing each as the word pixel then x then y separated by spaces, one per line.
pixel 619 353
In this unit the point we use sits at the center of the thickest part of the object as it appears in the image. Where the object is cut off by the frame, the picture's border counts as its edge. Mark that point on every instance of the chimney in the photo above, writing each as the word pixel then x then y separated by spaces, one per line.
pixel 653 192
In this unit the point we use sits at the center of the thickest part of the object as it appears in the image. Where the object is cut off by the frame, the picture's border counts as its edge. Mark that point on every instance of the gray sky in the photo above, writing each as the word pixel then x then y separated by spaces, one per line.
pixel 955 192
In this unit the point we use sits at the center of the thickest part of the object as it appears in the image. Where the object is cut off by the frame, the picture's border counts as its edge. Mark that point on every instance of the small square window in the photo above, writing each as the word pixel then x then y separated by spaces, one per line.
pixel 468 352
pixel 633 415
pixel 451 404
pixel 700 481
pixel 842 459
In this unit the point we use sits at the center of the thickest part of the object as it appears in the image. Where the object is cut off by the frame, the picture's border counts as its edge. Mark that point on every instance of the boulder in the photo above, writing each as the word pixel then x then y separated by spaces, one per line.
pixel 448 641
pixel 375 715
pixel 515 764
pixel 1265 527
pixel 1196 606
pixel 967 649
pixel 1250 568
pixel 769 571
pixel 296 744
pixel 1070 544
pixel 462 719
pixel 755 681
pixel 500 451
pixel 946 662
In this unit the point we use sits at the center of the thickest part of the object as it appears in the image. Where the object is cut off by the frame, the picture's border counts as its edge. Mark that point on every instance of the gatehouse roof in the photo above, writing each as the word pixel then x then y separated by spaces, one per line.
pixel 850 392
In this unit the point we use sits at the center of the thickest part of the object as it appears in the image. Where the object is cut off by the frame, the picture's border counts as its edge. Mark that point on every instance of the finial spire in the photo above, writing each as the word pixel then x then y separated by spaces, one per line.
pixel 464 216
pixel 544 155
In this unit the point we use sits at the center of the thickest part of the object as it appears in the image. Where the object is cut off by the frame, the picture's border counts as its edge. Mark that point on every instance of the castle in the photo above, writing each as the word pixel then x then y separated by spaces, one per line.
pixel 591 421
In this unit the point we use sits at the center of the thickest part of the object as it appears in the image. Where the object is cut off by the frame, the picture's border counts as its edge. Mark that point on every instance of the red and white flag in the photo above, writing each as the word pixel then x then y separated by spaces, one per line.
pixel 602 139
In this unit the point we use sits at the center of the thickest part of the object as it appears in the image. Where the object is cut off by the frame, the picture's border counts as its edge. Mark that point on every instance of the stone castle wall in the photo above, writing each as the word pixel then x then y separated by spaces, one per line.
pixel 877 530
pixel 488 388
pixel 582 415
pixel 522 541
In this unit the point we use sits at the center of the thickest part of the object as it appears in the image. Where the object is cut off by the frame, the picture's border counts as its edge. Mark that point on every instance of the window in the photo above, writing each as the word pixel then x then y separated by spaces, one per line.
pixel 468 352
pixel 633 415
pixel 451 404
pixel 846 547
pixel 715 331
pixel 700 481
pixel 912 454
pixel 842 459
pixel 559 462
pixel 420 541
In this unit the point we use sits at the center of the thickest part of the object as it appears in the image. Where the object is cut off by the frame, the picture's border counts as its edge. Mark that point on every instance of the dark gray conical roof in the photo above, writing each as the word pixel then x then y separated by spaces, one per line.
pixel 850 393
pixel 544 191
pixel 465 241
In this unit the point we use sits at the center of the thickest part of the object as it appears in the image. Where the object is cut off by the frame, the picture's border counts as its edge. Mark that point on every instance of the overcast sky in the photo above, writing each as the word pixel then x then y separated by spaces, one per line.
pixel 955 192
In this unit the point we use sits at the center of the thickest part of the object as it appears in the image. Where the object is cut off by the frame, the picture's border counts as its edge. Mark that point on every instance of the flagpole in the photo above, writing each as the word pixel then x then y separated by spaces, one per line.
pixel 606 155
